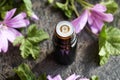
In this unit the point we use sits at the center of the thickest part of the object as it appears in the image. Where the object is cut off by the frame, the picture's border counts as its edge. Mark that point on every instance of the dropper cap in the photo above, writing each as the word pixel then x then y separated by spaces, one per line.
pixel 64 29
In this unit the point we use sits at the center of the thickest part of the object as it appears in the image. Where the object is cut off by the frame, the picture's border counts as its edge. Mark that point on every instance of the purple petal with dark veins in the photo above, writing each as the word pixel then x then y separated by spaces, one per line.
pixel 10 14
pixel 18 24
pixel 99 7
pixel 102 16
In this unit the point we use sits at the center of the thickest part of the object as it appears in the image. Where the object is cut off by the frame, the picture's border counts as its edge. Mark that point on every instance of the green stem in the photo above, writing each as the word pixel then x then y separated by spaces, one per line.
pixel 66 3
pixel 84 3
pixel 2 3
pixel 74 8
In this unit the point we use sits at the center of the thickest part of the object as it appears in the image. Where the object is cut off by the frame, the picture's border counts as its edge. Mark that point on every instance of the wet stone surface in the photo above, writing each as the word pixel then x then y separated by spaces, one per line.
pixel 85 64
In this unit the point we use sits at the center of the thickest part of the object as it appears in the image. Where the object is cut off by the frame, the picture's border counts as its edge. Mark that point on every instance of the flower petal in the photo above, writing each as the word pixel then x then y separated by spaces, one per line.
pixel 10 14
pixel 58 77
pixel 3 42
pixel 11 34
pixel 94 29
pixel 49 77
pixel 20 16
pixel 90 19
pixel 18 21
pixel 95 22
pixel 99 7
pixel 103 16
pixel 18 24
pixel 80 22
pixel 107 17
pixel 73 77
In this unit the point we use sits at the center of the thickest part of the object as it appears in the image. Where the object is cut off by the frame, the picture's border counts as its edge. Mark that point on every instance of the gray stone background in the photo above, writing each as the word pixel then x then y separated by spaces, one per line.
pixel 86 63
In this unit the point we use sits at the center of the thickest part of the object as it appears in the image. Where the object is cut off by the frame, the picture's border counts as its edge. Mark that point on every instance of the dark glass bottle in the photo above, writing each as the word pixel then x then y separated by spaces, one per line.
pixel 65 43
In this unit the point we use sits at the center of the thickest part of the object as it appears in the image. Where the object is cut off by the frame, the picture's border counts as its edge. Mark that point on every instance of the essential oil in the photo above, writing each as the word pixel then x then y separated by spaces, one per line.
pixel 65 43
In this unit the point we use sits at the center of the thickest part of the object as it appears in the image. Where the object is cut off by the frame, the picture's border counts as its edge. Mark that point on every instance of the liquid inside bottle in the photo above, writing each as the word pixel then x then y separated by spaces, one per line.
pixel 65 43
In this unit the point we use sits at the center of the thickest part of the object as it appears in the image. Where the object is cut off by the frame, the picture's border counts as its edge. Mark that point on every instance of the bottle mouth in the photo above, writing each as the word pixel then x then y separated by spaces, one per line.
pixel 64 29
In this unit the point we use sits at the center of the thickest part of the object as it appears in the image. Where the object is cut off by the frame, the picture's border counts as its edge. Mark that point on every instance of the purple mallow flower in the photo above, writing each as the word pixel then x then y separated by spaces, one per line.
pixel 95 17
pixel 7 31
pixel 72 77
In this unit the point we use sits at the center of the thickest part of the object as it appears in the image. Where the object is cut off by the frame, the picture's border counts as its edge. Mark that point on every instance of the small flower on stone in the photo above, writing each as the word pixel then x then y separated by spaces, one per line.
pixel 34 16
pixel 7 28
pixel 95 17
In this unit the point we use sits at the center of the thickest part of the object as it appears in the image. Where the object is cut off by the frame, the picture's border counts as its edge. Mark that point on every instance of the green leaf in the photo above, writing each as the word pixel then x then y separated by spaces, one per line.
pixel 36 35
pixel 61 6
pixel 27 48
pixel 65 8
pixel 30 43
pixel 3 14
pixel 18 40
pixel 109 43
pixel 111 5
pixel 94 77
pixel 24 72
pixel 68 13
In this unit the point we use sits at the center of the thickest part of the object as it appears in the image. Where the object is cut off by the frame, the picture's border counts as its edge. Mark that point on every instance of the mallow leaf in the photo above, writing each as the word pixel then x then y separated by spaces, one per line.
pixel 27 48
pixel 111 5
pixel 65 7
pixel 36 35
pixel 29 44
pixel 24 72
pixel 18 40
pixel 109 43
pixel 61 5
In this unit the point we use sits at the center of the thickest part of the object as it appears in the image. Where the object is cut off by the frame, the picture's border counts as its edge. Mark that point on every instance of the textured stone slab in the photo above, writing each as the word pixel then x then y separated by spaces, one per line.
pixel 85 64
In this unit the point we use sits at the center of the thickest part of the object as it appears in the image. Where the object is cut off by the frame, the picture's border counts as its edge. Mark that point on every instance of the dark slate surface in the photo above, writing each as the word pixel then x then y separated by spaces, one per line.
pixel 85 64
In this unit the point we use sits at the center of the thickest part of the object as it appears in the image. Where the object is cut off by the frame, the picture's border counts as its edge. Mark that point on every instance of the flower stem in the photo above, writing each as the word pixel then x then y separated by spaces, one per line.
pixel 74 8
pixel 2 3
pixel 84 3
pixel 66 3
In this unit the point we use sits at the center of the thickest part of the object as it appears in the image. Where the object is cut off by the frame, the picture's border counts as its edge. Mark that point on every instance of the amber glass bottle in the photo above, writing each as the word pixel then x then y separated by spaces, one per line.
pixel 65 43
